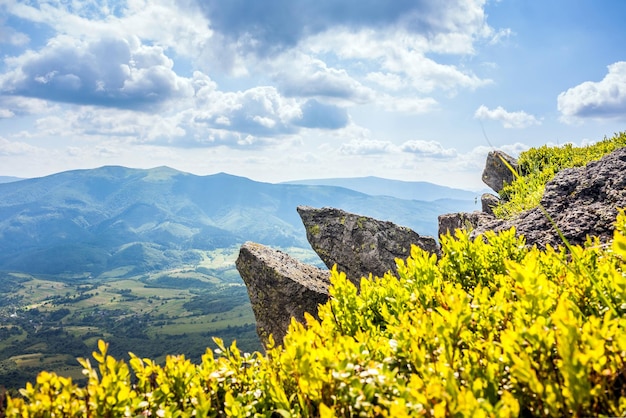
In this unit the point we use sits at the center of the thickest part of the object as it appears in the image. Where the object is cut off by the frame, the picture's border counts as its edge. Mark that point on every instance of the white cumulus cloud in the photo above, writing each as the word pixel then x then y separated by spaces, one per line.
pixel 306 76
pixel 602 99
pixel 519 119
pixel 399 58
pixel 111 72
pixel 258 111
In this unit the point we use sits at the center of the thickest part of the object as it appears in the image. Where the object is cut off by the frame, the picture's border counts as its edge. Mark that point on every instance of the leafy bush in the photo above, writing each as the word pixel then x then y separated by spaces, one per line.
pixel 492 328
pixel 539 165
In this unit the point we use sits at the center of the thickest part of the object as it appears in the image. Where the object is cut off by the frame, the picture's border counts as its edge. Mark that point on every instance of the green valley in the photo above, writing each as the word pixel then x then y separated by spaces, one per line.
pixel 145 259
pixel 47 322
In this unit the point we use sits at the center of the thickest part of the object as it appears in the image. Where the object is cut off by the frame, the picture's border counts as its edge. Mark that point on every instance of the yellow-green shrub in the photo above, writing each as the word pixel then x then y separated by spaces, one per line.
pixel 492 328
pixel 538 166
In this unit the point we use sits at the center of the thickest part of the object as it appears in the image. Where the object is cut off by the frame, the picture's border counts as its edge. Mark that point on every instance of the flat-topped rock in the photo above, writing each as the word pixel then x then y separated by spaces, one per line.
pixel 359 245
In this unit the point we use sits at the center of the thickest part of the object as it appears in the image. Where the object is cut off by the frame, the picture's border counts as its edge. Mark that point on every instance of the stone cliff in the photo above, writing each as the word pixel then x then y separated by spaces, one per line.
pixel 581 201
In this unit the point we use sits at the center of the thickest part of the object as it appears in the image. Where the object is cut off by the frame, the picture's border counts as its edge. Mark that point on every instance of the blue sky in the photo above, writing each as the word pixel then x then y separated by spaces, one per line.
pixel 280 90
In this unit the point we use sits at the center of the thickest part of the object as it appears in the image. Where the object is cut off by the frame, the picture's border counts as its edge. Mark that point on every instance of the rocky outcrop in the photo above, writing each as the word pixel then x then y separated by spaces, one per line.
pixel 449 222
pixel 497 173
pixel 280 287
pixel 581 201
pixel 359 245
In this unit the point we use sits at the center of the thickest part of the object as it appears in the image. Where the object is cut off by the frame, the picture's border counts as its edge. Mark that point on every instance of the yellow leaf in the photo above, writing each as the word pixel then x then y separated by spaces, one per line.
pixel 440 410
pixel 102 346
pixel 619 244
pixel 326 412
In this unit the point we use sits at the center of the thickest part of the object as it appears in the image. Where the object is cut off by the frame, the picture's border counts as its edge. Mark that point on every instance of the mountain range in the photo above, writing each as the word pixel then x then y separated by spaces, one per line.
pixel 410 190
pixel 85 222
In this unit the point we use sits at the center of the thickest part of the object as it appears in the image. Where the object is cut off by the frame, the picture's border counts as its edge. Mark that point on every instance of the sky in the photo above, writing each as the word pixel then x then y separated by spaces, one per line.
pixel 279 90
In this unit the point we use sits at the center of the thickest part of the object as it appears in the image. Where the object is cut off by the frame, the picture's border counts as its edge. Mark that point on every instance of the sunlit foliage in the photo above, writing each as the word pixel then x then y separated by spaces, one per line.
pixel 491 328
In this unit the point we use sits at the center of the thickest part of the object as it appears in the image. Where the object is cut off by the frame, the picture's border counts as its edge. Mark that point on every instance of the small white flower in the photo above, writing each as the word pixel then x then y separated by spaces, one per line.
pixel 393 344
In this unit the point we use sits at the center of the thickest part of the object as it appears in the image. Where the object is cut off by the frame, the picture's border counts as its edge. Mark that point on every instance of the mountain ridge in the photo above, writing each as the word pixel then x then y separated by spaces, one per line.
pixel 408 190
pixel 82 221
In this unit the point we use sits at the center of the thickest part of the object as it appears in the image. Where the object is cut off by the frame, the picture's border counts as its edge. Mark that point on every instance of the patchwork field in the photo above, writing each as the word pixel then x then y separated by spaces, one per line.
pixel 47 322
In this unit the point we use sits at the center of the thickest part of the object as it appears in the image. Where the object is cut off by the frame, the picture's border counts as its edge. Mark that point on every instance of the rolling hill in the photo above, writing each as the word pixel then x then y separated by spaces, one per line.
pixel 86 222
pixel 145 260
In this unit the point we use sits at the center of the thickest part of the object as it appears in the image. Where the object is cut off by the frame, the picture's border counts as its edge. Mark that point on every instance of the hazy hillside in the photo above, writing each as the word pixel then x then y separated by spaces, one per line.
pixel 88 221
pixel 411 190
pixel 9 179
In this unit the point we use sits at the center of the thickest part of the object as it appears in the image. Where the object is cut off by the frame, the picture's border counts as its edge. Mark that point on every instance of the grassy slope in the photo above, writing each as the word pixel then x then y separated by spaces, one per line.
pixel 537 166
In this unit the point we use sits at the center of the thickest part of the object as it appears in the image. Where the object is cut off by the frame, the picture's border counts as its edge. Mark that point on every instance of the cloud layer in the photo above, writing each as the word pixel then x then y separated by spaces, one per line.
pixel 271 27
pixel 107 72
pixel 307 65
pixel 386 87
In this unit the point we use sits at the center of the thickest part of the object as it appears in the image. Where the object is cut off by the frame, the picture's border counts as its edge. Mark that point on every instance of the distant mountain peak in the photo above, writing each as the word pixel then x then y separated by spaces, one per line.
pixel 162 173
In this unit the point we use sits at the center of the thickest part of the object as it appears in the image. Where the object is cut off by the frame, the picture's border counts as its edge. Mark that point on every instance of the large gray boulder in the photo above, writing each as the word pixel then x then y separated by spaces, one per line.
pixel 581 201
pixel 496 173
pixel 359 245
pixel 280 287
